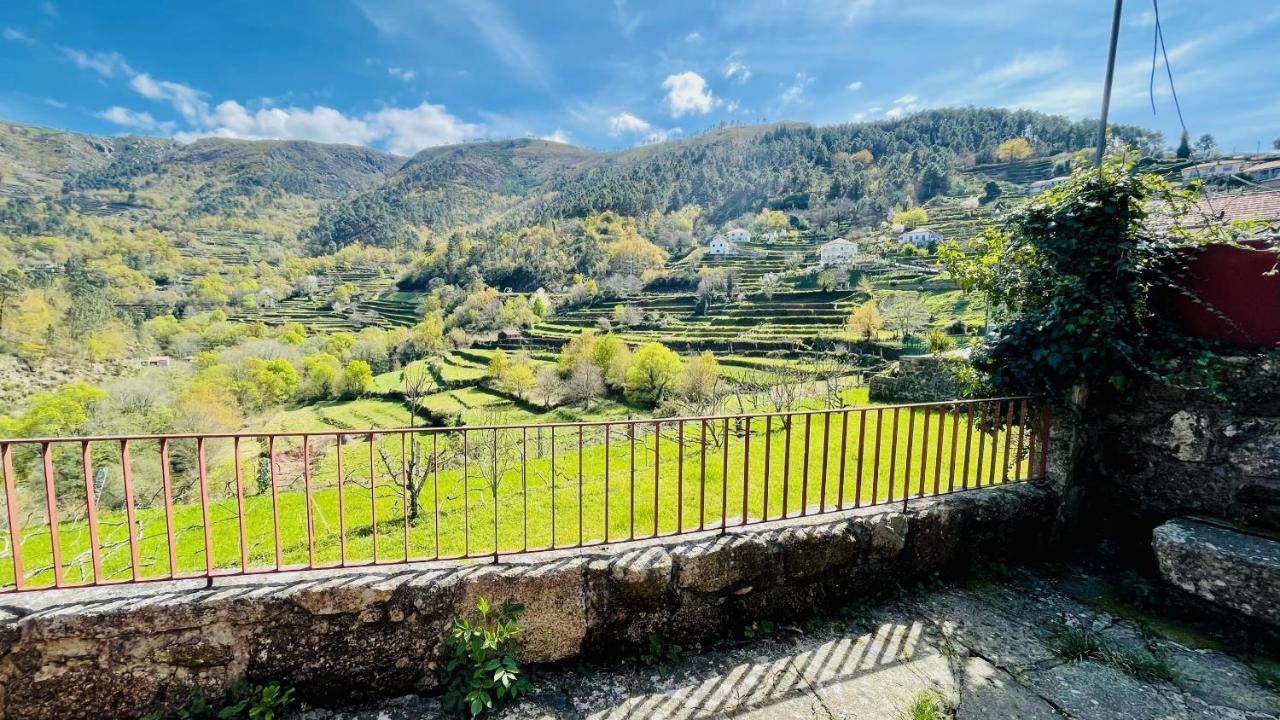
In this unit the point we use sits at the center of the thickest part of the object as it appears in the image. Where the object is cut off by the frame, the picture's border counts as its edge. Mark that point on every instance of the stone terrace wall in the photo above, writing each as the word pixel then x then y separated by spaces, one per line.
pixel 342 634
pixel 1158 453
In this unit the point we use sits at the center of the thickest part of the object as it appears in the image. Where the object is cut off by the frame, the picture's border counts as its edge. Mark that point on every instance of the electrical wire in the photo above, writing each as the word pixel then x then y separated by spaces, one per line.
pixel 1157 43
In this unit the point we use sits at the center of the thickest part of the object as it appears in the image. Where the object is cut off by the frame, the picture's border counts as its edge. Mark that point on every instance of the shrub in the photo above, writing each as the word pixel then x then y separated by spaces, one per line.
pixel 655 374
pixel 483 673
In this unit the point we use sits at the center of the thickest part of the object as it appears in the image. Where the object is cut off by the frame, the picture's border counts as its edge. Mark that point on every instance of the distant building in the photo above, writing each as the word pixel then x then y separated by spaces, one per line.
pixel 1213 168
pixel 157 361
pixel 837 252
pixel 738 235
pixel 1265 173
pixel 721 245
pixel 921 237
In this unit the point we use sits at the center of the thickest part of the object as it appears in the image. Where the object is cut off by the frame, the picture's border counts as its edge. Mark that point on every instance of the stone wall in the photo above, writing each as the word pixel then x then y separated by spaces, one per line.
pixel 919 378
pixel 1158 453
pixel 341 634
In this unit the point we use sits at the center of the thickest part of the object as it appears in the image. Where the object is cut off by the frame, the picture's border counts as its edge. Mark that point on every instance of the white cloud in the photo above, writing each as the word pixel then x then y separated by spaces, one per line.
pixel 688 93
pixel 906 100
pixel 188 101
pixel 693 37
pixel 17 36
pixel 402 73
pixel 855 85
pixel 408 130
pixel 625 123
pixel 1024 67
pixel 795 91
pixel 559 136
pixel 732 106
pixel 735 69
pixel 107 64
pixel 661 135
pixel 895 112
pixel 400 130
pixel 132 118
pixel 859 116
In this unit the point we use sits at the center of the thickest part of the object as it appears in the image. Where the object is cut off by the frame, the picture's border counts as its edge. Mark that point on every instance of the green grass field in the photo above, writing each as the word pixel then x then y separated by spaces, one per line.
pixel 545 494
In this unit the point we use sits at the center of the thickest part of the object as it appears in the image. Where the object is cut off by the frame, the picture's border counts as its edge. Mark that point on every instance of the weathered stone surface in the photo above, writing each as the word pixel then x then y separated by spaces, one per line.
pixel 1254 447
pixel 730 562
pixel 986 692
pixel 1231 569
pixel 1091 691
pixel 807 551
pixel 554 596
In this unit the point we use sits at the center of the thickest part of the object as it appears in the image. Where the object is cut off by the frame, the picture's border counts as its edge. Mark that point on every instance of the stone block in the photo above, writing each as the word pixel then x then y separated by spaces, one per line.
pixel 728 562
pixel 1225 567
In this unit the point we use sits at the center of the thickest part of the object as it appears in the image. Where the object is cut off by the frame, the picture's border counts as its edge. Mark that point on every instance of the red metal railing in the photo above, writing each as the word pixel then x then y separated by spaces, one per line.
pixel 103 510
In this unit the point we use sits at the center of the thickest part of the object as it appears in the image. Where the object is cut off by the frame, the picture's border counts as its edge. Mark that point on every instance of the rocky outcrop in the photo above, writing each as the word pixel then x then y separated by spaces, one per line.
pixel 1233 570
pixel 343 634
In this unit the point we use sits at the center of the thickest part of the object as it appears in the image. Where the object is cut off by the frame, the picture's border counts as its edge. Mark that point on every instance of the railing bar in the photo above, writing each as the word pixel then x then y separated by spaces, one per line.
pixel 553 485
pixel 679 476
pixel 607 433
pixel 657 462
pixel 862 437
pixel 955 448
pixel 983 416
pixel 968 446
pixel 524 488
pixel 702 483
pixel 768 457
pixel 893 454
pixel 724 476
pixel 435 490
pixel 580 538
pixel 1022 438
pixel 826 443
pixel 631 435
pixel 202 471
pixel 875 470
pixel 1046 425
pixel 342 507
pixel 405 481
pixel 275 500
pixel 373 499
pixel 307 498
pixel 844 451
pixel 11 510
pixel 1008 444
pixel 995 443
pixel 924 454
pixel 746 468
pixel 466 495
pixel 496 493
pixel 804 484
pixel 239 480
pixel 91 510
pixel 786 469
pixel 51 506
pixel 911 437
pixel 937 462
pixel 166 486
pixel 131 513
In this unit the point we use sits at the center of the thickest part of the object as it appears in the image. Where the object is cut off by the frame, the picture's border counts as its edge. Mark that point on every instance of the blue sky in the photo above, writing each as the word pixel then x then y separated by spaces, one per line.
pixel 405 74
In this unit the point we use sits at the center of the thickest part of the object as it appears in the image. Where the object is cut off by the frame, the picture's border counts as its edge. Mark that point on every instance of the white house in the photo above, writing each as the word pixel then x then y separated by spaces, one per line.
pixel 920 237
pixel 738 235
pixel 1213 168
pixel 722 246
pixel 837 252
pixel 1266 173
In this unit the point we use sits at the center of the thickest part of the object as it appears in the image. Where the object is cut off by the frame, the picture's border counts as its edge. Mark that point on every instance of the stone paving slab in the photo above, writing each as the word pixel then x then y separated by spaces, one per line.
pixel 983 651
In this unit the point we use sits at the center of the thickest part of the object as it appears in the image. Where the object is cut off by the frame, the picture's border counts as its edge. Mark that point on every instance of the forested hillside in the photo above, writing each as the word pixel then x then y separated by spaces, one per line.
pixel 858 173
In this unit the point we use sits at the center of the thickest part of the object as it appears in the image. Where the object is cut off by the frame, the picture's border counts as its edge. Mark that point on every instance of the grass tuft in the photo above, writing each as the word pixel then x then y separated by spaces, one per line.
pixel 1081 644
pixel 928 705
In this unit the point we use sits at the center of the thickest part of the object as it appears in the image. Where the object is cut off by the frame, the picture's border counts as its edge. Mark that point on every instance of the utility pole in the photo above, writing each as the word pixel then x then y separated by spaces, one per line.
pixel 1106 87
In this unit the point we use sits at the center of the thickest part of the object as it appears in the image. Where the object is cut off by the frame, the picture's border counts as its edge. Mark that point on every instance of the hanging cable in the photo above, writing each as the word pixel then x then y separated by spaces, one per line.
pixel 1157 43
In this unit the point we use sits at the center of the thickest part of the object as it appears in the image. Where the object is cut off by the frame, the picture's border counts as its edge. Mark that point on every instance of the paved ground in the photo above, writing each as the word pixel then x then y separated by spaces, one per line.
pixel 989 650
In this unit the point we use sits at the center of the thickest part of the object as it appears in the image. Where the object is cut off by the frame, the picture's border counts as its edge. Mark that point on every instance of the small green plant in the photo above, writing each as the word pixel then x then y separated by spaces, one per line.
pixel 928 705
pixel 660 653
pixel 758 629
pixel 1137 590
pixel 255 702
pixel 1080 644
pixel 484 673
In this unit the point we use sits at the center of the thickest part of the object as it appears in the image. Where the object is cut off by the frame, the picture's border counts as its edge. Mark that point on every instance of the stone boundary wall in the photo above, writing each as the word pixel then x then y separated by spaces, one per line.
pixel 1158 453
pixel 344 634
